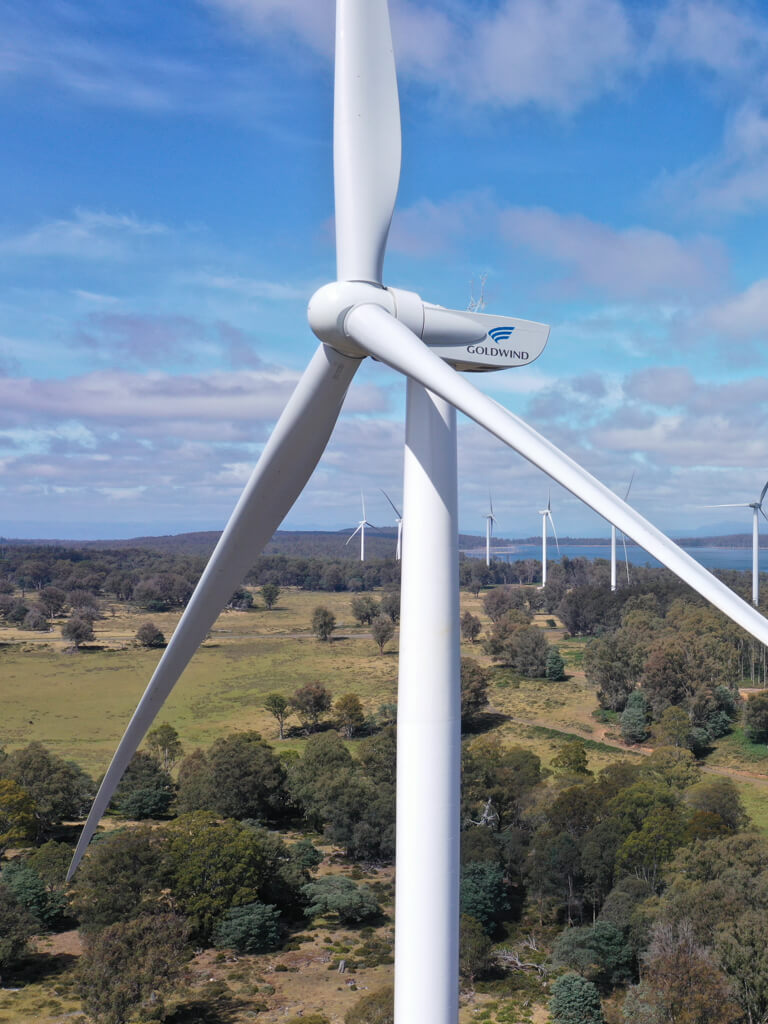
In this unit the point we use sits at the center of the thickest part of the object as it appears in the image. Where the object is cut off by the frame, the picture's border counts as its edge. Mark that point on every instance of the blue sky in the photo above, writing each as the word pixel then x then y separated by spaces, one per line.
pixel 166 212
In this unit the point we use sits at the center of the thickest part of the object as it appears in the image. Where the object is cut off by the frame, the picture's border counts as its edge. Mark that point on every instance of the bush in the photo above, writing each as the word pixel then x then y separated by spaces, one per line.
pixel 374 1008
pixel 145 791
pixel 575 1001
pixel 756 718
pixel 555 667
pixel 634 718
pixel 126 968
pixel 336 894
pixel 17 929
pixel 148 635
pixel 253 928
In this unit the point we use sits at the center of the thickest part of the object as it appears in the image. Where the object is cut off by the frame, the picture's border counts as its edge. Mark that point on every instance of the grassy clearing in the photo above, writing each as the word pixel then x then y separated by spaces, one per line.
pixel 736 751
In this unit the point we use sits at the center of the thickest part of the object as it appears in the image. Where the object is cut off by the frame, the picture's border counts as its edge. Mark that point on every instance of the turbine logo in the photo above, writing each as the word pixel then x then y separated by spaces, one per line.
pixel 500 333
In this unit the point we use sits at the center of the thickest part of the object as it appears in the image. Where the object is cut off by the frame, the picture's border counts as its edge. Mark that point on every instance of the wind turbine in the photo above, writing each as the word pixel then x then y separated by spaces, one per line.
pixel 546 514
pixel 757 507
pixel 623 541
pixel 354 317
pixel 490 519
pixel 399 521
pixel 361 530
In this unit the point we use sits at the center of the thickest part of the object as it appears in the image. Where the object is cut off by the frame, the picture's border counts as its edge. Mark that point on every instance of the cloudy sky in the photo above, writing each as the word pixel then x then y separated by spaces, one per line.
pixel 166 211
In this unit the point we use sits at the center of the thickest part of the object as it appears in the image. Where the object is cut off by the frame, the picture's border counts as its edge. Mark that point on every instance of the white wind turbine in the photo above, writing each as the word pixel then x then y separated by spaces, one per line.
pixel 757 509
pixel 546 514
pixel 361 530
pixel 354 317
pixel 490 519
pixel 399 521
pixel 623 541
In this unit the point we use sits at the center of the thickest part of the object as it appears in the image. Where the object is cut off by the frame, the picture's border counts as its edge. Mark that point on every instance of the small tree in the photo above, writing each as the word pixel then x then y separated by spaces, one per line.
pixel 474 689
pixel 18 821
pixel 756 718
pixel 77 629
pixel 253 928
pixel 382 630
pixel 311 702
pixel 280 708
pixel 474 949
pixel 336 894
pixel 365 609
pixel 126 968
pixel 36 621
pixel 555 667
pixel 146 789
pixel 241 600
pixel 575 1001
pixel 148 635
pixel 571 757
pixel 350 714
pixel 323 623
pixel 634 718
pixel 470 627
pixel 17 929
pixel 164 744
pixel 390 604
pixel 270 592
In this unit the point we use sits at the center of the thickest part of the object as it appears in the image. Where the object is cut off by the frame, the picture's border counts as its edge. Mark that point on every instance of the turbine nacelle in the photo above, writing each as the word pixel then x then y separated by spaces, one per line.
pixel 466 340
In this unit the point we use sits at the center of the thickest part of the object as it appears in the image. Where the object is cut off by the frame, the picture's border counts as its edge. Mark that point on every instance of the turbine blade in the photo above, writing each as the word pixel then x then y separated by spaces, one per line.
pixel 362 501
pixel 629 485
pixel 394 507
pixel 554 531
pixel 353 534
pixel 763 493
pixel 490 503
pixel 392 343
pixel 737 504
pixel 287 462
pixel 626 556
pixel 366 138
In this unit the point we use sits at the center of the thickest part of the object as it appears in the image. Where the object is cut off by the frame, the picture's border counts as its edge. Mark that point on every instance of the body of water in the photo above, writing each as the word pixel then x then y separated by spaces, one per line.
pixel 712 558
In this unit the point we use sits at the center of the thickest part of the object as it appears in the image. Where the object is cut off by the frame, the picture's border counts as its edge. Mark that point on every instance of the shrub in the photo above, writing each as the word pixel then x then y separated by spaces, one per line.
pixel 253 928
pixel 148 635
pixel 575 1001
pixel 336 894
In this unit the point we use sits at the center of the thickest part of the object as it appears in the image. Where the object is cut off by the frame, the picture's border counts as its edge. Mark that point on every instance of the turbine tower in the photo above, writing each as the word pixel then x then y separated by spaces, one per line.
pixel 490 519
pixel 546 514
pixel 399 521
pixel 361 530
pixel 354 317
pixel 757 509
pixel 623 541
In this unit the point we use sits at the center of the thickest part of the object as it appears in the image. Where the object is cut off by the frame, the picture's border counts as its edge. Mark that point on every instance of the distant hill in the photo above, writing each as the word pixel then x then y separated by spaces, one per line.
pixel 333 543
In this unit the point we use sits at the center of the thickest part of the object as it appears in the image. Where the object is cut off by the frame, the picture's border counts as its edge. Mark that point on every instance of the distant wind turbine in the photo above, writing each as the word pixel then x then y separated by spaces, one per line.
pixel 623 541
pixel 361 530
pixel 398 520
pixel 490 519
pixel 546 513
pixel 757 507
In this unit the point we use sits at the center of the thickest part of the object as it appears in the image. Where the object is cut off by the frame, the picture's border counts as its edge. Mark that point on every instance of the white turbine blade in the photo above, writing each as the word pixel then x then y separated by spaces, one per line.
pixel 490 504
pixel 629 486
pixel 287 462
pixel 554 531
pixel 353 534
pixel 762 494
pixel 394 507
pixel 392 343
pixel 366 138
pixel 738 504
pixel 626 556
pixel 362 502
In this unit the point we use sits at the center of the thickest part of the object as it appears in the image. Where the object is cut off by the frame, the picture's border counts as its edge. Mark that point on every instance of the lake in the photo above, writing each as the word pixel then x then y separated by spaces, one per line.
pixel 712 558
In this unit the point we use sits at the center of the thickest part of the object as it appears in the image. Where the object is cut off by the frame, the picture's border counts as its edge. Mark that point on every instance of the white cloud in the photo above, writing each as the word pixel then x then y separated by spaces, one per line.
pixel 253 288
pixel 631 262
pixel 729 39
pixel 743 316
pixel 89 235
pixel 112 396
pixel 732 181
